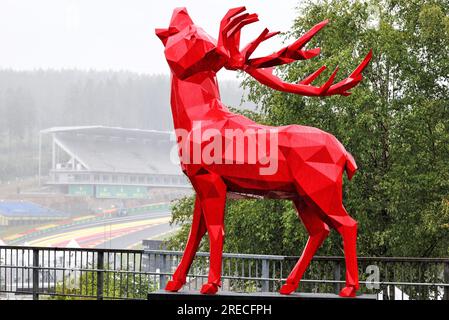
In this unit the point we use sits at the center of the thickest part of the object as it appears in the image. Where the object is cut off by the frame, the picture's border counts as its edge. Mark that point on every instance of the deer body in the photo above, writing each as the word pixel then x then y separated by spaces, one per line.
pixel 191 108
pixel 309 162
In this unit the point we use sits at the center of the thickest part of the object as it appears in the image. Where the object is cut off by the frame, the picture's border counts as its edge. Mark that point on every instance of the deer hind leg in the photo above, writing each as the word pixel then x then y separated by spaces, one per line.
pixel 197 231
pixel 347 228
pixel 318 232
pixel 212 194
pixel 329 200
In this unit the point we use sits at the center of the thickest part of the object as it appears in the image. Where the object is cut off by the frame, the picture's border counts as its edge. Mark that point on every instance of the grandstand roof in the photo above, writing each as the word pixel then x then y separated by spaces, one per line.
pixel 107 131
pixel 118 150
pixel 27 209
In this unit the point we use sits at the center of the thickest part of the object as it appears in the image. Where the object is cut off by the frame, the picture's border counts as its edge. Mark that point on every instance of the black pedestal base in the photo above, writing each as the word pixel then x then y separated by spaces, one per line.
pixel 256 296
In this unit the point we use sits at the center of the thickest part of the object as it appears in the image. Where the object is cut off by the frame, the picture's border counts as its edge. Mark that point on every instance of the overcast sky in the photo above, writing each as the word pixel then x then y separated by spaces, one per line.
pixel 115 34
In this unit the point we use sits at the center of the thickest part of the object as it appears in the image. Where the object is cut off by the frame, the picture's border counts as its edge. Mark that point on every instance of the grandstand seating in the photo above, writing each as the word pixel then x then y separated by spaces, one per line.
pixel 92 161
pixel 109 155
pixel 20 212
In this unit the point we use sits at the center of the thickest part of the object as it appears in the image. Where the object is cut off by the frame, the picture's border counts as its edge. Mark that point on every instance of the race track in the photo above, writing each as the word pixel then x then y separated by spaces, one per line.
pixel 116 233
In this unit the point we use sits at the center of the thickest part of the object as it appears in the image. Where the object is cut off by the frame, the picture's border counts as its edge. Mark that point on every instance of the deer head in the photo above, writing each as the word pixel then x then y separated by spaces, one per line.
pixel 188 48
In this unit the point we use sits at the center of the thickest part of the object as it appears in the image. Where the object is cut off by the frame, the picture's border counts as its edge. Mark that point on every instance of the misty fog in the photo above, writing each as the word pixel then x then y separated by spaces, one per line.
pixel 34 100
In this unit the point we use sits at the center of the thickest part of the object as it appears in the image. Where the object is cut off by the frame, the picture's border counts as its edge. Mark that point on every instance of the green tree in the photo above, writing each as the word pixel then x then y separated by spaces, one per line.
pixel 396 124
pixel 115 286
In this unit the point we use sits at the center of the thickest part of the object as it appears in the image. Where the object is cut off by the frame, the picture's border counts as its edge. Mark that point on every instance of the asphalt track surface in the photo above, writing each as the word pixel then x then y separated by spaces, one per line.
pixel 134 238
pixel 120 241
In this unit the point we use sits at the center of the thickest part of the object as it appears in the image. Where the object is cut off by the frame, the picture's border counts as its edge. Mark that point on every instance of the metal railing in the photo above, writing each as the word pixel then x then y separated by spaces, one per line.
pixel 76 273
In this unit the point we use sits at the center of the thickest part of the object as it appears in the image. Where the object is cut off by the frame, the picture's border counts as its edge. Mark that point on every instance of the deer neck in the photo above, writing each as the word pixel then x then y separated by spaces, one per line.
pixel 192 98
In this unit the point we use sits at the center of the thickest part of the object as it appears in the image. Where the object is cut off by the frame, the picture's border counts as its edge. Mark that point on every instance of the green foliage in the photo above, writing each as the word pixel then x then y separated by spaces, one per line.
pixel 396 124
pixel 182 212
pixel 115 285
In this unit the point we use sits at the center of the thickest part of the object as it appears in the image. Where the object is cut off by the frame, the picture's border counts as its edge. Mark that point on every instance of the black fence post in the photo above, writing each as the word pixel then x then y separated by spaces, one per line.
pixel 163 269
pixel 266 275
pixel 446 280
pixel 35 274
pixel 337 277
pixel 100 274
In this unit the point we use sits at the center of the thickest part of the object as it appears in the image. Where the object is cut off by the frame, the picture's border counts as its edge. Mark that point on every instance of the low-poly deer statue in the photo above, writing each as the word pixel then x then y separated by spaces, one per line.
pixel 309 163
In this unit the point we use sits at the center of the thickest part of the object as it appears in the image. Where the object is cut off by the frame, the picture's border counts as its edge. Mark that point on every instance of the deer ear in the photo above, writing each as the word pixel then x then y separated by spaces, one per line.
pixel 163 34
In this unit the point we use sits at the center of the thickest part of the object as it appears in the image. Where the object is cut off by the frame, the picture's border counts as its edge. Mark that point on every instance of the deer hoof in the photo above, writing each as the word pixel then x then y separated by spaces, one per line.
pixel 287 288
pixel 209 288
pixel 174 285
pixel 348 292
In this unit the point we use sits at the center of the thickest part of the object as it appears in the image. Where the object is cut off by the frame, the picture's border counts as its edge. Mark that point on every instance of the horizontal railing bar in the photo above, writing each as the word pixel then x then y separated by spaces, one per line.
pixel 284 279
pixel 78 269
pixel 89 296
pixel 382 259
pixel 228 255
pixel 318 281
pixel 153 273
pixel 318 258
pixel 58 294
pixel 225 255
pixel 23 248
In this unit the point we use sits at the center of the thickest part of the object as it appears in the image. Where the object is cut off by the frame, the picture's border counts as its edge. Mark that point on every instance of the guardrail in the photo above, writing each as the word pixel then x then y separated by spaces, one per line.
pixel 66 273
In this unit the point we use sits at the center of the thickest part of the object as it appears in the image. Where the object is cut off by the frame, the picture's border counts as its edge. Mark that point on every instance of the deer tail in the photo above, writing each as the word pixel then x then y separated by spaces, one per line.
pixel 350 166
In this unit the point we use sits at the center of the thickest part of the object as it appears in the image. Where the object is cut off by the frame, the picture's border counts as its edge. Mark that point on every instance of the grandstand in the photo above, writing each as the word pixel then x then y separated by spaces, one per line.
pixel 109 162
pixel 24 212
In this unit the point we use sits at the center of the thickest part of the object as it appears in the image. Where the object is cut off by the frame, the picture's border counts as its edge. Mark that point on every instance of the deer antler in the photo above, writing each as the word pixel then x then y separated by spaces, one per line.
pixel 290 53
pixel 229 35
pixel 262 68
pixel 304 87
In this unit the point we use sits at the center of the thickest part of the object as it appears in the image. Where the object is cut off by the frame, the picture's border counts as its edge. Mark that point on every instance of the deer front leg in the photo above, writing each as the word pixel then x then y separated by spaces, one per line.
pixel 212 194
pixel 197 231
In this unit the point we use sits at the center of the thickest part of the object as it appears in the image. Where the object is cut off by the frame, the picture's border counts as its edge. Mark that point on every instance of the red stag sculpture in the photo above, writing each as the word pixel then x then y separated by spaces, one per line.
pixel 306 164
